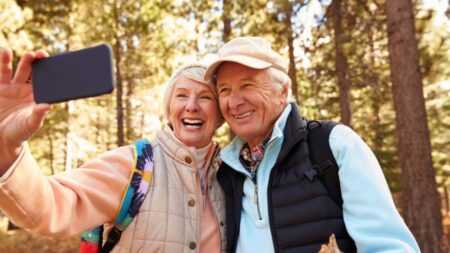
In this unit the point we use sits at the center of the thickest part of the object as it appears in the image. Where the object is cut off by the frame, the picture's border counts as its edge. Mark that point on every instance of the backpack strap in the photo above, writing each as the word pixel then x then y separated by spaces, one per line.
pixel 325 167
pixel 91 241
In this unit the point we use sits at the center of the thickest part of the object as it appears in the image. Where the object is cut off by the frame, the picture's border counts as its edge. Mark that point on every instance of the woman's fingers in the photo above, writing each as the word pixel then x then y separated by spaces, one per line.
pixel 5 66
pixel 23 71
pixel 41 54
pixel 36 119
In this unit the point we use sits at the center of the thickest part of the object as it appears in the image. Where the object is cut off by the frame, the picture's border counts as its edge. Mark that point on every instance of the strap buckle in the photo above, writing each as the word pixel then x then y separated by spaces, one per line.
pixel 319 170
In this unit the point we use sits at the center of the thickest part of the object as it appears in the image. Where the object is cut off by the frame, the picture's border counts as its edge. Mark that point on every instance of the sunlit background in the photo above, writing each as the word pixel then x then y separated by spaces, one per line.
pixel 151 38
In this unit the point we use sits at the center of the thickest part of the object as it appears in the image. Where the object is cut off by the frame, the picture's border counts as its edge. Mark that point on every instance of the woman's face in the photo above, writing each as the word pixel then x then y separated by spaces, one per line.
pixel 194 112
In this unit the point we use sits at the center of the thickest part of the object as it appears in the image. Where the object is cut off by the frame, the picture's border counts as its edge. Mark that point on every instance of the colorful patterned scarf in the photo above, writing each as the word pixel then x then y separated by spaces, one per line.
pixel 91 241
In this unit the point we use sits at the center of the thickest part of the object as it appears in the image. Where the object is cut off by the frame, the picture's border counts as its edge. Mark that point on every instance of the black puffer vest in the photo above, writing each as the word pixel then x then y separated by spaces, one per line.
pixel 301 212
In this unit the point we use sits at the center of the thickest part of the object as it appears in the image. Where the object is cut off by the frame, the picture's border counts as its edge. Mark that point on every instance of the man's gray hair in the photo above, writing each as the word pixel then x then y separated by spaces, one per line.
pixel 281 78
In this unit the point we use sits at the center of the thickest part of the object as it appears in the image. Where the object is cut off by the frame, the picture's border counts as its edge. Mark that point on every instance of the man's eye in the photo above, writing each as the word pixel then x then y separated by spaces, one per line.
pixel 223 91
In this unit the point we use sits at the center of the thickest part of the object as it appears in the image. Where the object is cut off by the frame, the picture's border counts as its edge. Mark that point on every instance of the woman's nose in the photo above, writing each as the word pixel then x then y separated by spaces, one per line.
pixel 192 105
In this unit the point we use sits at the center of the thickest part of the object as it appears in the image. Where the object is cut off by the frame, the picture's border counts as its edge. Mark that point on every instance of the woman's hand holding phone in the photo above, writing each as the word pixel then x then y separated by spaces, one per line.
pixel 20 116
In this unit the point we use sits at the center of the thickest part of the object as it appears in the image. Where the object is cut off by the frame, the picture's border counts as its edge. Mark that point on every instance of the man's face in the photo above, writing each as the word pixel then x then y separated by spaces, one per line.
pixel 249 100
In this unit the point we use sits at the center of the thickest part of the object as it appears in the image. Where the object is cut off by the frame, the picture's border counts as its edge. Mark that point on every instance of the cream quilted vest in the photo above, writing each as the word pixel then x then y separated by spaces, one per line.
pixel 168 220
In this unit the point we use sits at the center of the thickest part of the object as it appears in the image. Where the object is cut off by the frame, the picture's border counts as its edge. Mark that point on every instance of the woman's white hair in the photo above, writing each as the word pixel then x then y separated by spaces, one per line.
pixel 193 71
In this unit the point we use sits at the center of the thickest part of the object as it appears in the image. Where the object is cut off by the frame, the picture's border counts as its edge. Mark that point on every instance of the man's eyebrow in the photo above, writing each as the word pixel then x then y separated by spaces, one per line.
pixel 250 79
pixel 245 79
pixel 221 84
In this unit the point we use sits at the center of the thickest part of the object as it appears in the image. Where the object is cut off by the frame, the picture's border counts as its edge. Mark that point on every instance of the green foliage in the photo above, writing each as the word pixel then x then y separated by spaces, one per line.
pixel 13 19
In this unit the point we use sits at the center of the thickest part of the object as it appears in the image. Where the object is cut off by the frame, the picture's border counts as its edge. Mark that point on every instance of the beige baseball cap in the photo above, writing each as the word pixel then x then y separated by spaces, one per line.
pixel 253 52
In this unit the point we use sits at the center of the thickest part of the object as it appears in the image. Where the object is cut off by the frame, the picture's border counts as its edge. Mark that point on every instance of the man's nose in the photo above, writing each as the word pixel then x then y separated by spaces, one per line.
pixel 235 99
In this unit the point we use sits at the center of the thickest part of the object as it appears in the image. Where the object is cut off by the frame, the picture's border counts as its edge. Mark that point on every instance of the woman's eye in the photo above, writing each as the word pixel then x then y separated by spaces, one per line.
pixel 180 95
pixel 206 97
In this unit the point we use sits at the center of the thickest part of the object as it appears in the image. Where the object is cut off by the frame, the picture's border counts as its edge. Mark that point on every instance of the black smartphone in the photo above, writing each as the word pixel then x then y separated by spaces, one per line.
pixel 73 75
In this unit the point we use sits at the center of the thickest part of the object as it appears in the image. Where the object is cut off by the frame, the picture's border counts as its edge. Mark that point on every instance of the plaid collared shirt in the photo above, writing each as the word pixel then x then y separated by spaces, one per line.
pixel 251 158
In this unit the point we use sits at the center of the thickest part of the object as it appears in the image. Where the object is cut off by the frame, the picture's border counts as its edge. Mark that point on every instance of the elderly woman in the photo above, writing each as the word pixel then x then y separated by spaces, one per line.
pixel 183 210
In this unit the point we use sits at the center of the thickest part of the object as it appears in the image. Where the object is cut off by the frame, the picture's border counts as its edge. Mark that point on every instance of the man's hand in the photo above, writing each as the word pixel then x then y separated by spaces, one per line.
pixel 332 246
pixel 20 116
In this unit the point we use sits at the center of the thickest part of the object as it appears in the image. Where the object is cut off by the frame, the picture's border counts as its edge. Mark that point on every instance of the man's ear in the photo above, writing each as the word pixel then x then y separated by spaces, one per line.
pixel 284 93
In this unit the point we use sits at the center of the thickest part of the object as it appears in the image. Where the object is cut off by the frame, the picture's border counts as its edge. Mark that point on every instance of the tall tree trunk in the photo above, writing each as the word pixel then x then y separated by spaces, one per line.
pixel 129 111
pixel 445 199
pixel 119 86
pixel 226 20
pixel 420 199
pixel 341 64
pixel 69 107
pixel 119 95
pixel 290 38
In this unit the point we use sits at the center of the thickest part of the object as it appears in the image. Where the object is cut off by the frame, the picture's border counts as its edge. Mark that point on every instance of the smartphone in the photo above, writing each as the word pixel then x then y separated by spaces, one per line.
pixel 73 75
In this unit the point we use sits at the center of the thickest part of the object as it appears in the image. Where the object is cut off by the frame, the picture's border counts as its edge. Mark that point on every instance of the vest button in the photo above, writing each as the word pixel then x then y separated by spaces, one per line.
pixel 191 202
pixel 221 224
pixel 188 160
pixel 192 245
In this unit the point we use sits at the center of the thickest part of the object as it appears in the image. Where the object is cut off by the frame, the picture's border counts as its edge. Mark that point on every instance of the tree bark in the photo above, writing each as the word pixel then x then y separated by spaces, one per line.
pixel 130 133
pixel 119 86
pixel 341 64
pixel 420 199
pixel 69 107
pixel 226 20
pixel 119 95
pixel 290 38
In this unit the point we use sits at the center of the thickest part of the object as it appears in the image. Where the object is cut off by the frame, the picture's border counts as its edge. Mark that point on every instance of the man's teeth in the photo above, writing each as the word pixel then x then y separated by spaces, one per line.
pixel 243 115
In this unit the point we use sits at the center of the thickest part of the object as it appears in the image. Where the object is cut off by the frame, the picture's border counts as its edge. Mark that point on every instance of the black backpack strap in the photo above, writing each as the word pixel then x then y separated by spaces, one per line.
pixel 325 167
pixel 111 240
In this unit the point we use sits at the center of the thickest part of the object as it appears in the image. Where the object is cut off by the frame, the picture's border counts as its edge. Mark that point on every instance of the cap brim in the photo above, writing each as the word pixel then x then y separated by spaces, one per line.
pixel 244 60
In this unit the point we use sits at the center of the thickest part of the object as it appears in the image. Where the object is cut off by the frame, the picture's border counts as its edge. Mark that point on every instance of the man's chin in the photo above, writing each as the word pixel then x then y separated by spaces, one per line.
pixel 245 134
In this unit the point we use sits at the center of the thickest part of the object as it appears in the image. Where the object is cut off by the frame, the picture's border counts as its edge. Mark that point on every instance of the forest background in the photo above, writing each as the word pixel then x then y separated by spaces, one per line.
pixel 342 56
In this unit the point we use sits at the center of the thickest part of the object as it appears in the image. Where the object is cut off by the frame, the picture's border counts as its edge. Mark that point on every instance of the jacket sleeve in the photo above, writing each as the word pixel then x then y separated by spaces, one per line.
pixel 67 203
pixel 370 215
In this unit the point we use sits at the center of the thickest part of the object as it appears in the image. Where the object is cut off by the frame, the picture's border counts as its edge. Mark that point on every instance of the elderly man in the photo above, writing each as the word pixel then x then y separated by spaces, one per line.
pixel 273 204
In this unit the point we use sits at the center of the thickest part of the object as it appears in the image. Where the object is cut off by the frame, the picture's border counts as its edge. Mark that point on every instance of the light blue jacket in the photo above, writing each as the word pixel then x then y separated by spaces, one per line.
pixel 370 215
